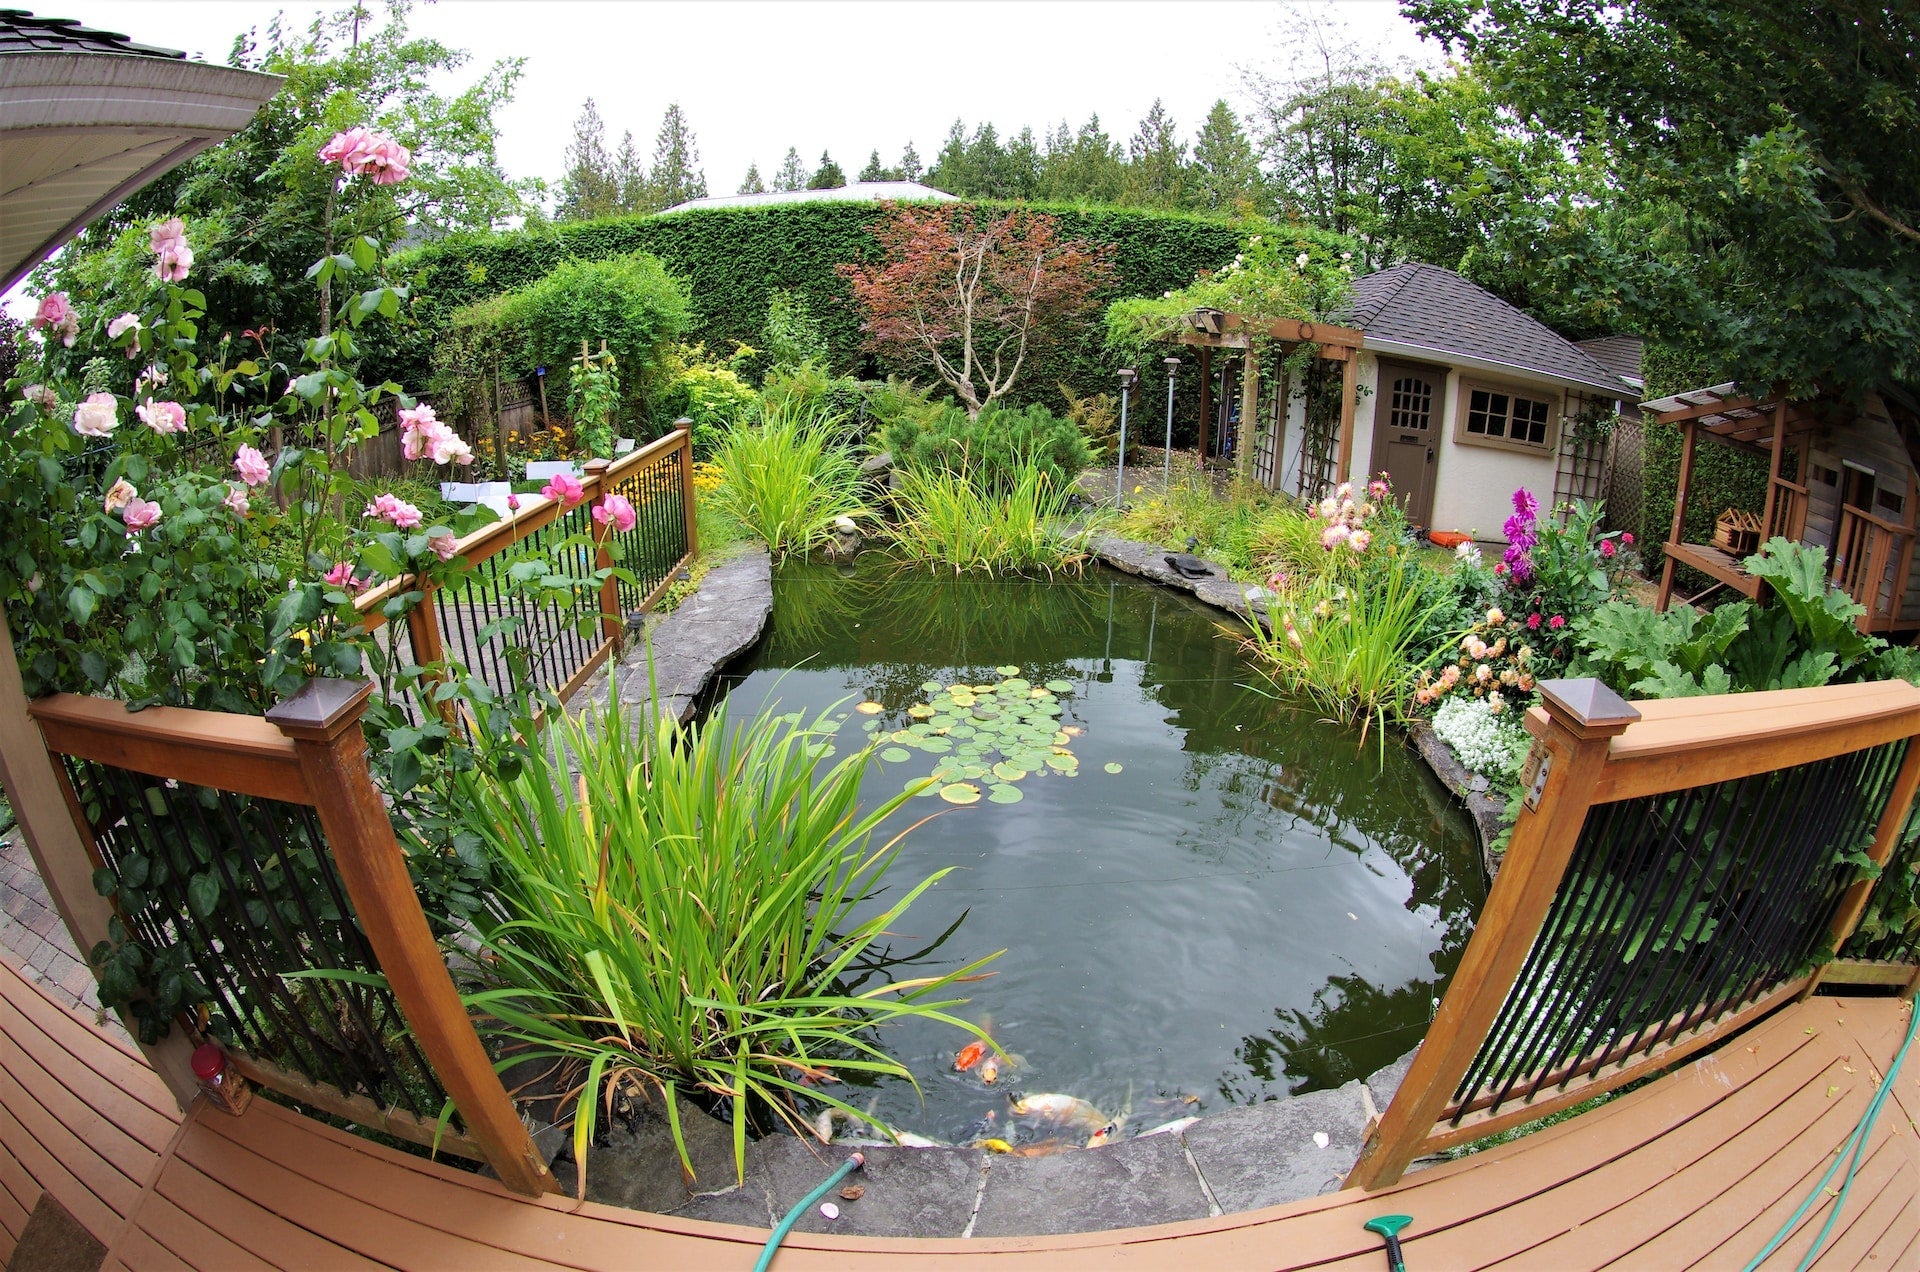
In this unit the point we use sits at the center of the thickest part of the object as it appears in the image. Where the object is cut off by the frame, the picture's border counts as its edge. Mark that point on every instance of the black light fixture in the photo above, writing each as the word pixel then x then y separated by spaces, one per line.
pixel 1173 370
pixel 1127 377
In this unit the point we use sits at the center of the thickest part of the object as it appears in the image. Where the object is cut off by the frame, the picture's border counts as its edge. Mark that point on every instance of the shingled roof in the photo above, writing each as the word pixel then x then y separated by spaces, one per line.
pixel 1427 309
pixel 23 32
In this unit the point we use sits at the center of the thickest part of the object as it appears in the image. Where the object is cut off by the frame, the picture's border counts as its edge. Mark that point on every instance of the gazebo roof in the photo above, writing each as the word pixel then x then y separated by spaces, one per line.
pixel 87 117
pixel 1730 411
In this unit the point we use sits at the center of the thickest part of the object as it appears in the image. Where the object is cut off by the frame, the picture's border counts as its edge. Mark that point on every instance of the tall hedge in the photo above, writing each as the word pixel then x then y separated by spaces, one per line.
pixel 734 258
pixel 1722 476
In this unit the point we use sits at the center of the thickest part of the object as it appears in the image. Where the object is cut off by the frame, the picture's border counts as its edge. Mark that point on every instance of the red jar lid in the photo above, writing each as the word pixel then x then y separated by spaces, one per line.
pixel 209 1062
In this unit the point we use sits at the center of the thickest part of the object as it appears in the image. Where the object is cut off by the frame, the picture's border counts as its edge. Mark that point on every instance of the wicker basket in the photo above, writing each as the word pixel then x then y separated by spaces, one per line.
pixel 1737 532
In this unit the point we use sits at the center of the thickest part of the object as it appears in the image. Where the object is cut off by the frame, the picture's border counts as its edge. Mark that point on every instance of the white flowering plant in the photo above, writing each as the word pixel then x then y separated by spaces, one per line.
pixel 1494 746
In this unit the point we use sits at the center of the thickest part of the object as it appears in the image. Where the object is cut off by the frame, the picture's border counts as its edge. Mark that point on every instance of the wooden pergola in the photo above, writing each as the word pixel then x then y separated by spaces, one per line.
pixel 1870 555
pixel 1216 329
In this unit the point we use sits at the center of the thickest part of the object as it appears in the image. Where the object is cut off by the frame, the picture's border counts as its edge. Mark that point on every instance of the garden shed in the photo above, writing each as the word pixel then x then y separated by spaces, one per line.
pixel 1840 476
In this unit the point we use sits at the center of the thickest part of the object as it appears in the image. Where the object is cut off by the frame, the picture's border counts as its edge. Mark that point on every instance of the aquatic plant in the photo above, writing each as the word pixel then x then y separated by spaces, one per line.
pixel 947 519
pixel 786 479
pixel 679 910
pixel 986 735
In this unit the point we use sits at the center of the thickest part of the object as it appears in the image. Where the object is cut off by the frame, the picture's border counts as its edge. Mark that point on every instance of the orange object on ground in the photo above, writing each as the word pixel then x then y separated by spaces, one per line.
pixel 1448 538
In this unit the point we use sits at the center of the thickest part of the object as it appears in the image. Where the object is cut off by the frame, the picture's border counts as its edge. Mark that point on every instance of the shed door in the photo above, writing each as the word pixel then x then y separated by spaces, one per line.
pixel 1406 434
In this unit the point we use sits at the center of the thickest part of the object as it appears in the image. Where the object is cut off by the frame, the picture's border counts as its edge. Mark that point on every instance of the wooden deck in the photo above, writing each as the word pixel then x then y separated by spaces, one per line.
pixel 1696 1169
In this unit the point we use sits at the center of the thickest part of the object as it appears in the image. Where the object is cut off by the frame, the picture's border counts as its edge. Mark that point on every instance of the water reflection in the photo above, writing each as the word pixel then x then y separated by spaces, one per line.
pixel 1255 904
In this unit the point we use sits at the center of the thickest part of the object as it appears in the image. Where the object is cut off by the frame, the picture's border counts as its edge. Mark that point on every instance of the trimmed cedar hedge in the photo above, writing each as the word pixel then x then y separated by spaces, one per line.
pixel 734 257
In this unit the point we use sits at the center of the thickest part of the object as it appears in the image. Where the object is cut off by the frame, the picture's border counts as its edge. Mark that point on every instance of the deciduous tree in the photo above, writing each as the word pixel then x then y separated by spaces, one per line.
pixel 972 291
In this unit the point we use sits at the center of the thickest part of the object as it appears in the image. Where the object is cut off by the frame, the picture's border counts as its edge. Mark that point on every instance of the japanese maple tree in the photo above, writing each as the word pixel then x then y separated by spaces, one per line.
pixel 973 290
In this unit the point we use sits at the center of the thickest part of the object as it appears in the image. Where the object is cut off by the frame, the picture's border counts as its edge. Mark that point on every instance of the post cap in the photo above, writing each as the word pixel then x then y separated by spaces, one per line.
pixel 1587 707
pixel 322 709
pixel 597 464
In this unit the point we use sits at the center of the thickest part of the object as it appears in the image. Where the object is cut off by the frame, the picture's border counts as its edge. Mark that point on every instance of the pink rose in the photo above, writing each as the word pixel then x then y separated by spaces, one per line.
pixel 236 500
pixel 564 488
pixel 56 317
pixel 139 514
pixel 443 545
pixel 171 255
pixel 345 147
pixel 1556 622
pixel 342 576
pixel 121 493
pixel 445 447
pixel 42 396
pixel 252 466
pixel 361 152
pixel 513 503
pixel 395 510
pixel 162 417
pixel 154 376
pixel 616 509
pixel 98 416
pixel 121 326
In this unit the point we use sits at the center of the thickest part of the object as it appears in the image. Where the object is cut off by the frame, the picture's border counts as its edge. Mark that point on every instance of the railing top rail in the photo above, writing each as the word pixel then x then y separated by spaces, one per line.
pixel 1796 487
pixel 1861 514
pixel 237 753
pixel 535 512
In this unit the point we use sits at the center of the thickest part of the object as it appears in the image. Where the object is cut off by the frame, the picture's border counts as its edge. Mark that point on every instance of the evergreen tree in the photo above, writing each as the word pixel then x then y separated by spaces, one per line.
pixel 676 175
pixel 1225 174
pixel 1087 167
pixel 751 183
pixel 629 178
pixel 873 171
pixel 949 172
pixel 591 187
pixel 910 169
pixel 1156 159
pixel 1021 168
pixel 793 173
pixel 829 176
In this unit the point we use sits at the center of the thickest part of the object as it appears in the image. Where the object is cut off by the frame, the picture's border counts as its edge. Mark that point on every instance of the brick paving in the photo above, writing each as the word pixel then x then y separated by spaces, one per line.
pixel 34 938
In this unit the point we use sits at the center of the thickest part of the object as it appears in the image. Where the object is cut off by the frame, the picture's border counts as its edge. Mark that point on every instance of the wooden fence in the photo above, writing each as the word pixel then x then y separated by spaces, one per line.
pixel 1679 869
pixel 565 640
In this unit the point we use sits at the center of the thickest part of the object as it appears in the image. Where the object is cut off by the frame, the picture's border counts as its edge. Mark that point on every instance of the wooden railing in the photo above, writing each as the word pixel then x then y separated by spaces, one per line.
pixel 1786 510
pixel 1678 869
pixel 1871 560
pixel 565 642
pixel 259 850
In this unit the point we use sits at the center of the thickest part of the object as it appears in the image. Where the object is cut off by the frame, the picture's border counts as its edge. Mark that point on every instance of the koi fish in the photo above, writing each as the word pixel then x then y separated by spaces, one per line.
pixel 1111 1131
pixel 1067 1109
pixel 970 1055
pixel 991 1067
pixel 994 1145
pixel 1174 1127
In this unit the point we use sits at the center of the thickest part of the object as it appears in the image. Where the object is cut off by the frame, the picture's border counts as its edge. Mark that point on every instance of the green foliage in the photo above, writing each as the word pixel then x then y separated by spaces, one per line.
pixel 593 395
pixel 687 914
pixel 706 391
pixel 787 479
pixel 1805 636
pixel 1021 525
pixel 792 336
pixel 811 388
pixel 994 449
pixel 1097 416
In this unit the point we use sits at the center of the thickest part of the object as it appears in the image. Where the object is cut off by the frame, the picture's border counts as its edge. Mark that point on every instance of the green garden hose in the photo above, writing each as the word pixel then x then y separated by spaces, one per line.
pixel 793 1216
pixel 1857 1142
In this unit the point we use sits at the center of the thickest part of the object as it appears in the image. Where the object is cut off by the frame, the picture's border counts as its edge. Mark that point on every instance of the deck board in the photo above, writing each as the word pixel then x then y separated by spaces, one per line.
pixel 1697 1168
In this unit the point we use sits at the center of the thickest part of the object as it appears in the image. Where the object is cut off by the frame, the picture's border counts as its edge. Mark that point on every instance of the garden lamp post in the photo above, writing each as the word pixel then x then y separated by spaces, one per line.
pixel 1173 370
pixel 1127 377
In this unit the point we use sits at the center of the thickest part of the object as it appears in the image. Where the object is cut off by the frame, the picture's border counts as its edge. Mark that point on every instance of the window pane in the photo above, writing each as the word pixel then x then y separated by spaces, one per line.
pixel 1477 411
pixel 1498 405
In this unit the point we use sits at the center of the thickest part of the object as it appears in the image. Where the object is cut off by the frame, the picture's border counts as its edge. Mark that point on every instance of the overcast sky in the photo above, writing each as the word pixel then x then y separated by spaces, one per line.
pixel 757 77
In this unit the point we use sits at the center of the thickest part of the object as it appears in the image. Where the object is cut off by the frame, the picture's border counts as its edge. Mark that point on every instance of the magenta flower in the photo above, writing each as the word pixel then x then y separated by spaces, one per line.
pixel 1557 622
pixel 1533 622
pixel 171 255
pixel 1606 548
pixel 252 466
pixel 162 417
pixel 56 317
pixel 342 576
pixel 1626 537
pixel 139 514
pixel 616 509
pixel 564 488
pixel 1525 504
pixel 444 546
pixel 236 500
pixel 98 416
pixel 394 510
pixel 1377 488
pixel 513 503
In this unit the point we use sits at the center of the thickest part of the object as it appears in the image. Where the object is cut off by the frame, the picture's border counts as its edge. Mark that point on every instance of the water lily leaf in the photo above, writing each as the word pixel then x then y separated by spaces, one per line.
pixel 1004 794
pixel 869 708
pixel 1040 695
pixel 1063 738
pixel 961 730
pixel 868 726
pixel 1008 670
pixel 936 745
pixel 944 721
pixel 920 730
pixel 960 793
pixel 964 700
pixel 983 689
pixel 895 754
pixel 1064 763
pixel 819 751
pixel 926 787
pixel 1008 772
pixel 1072 730
pixel 1112 767
pixel 973 772
pixel 1060 686
pixel 919 710
pixel 932 686
pixel 985 711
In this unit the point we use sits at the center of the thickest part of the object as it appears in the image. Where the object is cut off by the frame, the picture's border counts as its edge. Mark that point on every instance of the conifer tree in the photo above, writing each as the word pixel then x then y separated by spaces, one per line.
pixel 1156 157
pixel 1225 172
pixel 910 167
pixel 676 175
pixel 629 178
pixel 829 176
pixel 751 183
pixel 590 187
pixel 873 171
pixel 793 173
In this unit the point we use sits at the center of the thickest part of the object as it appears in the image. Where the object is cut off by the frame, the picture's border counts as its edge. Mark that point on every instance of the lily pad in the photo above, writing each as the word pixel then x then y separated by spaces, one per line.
pixel 869 726
pixel 819 751
pixel 1063 738
pixel 1112 767
pixel 961 730
pixel 921 730
pixel 905 737
pixel 869 708
pixel 1008 670
pixel 1001 793
pixel 1060 686
pixel 1064 763
pixel 936 745
pixel 1008 772
pixel 960 793
pixel 926 787
pixel 920 711
pixel 932 686
pixel 895 754
pixel 944 720
pixel 973 772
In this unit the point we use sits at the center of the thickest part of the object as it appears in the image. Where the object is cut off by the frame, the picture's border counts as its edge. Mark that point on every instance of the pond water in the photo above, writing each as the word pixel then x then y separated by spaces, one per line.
pixel 1253 904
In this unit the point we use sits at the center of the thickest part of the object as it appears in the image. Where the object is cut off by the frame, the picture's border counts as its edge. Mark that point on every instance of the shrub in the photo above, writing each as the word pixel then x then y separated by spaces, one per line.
pixel 946 518
pixel 792 336
pixel 708 392
pixel 993 448
pixel 786 479
pixel 683 911
pixel 1097 416
pixel 810 387
pixel 1563 566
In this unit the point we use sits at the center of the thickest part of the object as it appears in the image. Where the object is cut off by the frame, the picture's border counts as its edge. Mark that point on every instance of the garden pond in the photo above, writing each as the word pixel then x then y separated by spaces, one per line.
pixel 1207 896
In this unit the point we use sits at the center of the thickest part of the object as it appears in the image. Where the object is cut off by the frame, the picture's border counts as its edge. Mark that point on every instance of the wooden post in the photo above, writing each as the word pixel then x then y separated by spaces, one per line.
pixel 540 378
pixel 689 508
pixel 612 622
pixel 38 794
pixel 1249 413
pixel 423 628
pixel 1571 734
pixel 1280 432
pixel 1679 515
pixel 1886 836
pixel 1206 399
pixel 1349 389
pixel 1773 465
pixel 323 719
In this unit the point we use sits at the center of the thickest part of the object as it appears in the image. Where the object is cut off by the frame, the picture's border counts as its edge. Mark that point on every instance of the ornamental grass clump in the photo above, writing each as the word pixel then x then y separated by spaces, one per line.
pixel 687 910
pixel 945 519
pixel 786 479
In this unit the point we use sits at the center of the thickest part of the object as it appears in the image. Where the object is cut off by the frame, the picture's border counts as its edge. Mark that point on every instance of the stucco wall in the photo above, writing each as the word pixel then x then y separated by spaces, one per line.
pixel 1473 485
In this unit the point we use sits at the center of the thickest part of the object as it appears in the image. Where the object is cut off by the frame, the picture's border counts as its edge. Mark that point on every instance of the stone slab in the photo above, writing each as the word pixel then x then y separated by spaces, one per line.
pixel 636 1164
pixel 1135 1182
pixel 1265 1154
pixel 907 1192
pixel 1149 561
pixel 1382 1083
pixel 1489 814
pixel 746 1205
